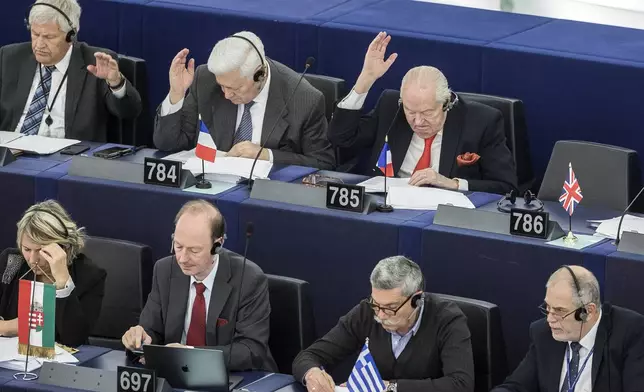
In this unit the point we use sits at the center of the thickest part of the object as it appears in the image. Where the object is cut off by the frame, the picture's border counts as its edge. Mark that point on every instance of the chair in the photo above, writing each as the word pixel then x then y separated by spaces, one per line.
pixel 488 345
pixel 516 133
pixel 332 89
pixel 292 323
pixel 138 131
pixel 129 279
pixel 609 176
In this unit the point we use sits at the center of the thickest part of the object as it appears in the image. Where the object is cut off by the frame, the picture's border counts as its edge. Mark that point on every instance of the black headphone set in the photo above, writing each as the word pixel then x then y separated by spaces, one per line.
pixel 508 202
pixel 260 74
pixel 216 245
pixel 70 35
pixel 447 105
pixel 581 314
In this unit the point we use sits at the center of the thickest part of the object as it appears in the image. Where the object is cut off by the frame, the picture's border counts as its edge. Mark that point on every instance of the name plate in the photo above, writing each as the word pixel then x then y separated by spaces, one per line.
pixel 162 172
pixel 529 223
pixel 344 197
pixel 131 379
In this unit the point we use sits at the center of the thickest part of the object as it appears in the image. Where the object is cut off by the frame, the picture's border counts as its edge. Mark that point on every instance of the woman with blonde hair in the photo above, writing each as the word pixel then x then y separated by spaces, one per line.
pixel 50 247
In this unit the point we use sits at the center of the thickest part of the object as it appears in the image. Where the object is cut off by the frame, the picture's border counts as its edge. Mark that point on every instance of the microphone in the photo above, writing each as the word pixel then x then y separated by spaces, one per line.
pixel 621 219
pixel 249 233
pixel 309 63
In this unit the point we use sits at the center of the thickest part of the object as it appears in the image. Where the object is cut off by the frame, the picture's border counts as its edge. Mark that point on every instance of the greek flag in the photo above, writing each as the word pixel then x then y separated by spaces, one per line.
pixel 365 376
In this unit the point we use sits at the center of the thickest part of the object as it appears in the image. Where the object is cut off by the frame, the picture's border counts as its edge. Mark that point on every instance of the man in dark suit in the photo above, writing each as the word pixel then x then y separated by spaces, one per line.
pixel 240 95
pixel 194 295
pixel 581 345
pixel 441 140
pixel 58 87
pixel 418 341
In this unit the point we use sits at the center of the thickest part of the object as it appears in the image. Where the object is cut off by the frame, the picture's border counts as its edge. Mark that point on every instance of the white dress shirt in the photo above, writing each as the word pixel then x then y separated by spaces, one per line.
pixel 57 127
pixel 355 101
pixel 585 383
pixel 257 112
pixel 209 282
pixel 67 290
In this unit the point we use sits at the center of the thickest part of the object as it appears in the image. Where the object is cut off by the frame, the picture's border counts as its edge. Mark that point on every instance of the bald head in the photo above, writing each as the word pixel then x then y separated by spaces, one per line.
pixel 588 285
pixel 208 211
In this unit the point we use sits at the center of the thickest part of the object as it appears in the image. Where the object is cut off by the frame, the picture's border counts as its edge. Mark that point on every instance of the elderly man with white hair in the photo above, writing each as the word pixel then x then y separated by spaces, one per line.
pixel 441 140
pixel 58 87
pixel 240 95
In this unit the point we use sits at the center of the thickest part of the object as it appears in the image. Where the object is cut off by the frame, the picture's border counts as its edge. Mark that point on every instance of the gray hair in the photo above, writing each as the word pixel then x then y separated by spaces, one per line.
pixel 397 272
pixel 425 77
pixel 232 54
pixel 588 285
pixel 44 14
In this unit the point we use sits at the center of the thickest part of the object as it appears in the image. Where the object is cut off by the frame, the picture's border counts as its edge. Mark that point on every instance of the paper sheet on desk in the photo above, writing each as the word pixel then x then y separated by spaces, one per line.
pixel 425 198
pixel 377 184
pixel 232 166
pixel 6 137
pixel 10 359
pixel 183 156
pixel 608 228
pixel 39 144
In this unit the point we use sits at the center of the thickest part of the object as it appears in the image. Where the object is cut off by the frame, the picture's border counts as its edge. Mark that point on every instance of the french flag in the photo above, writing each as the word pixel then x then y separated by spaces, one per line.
pixel 206 148
pixel 384 161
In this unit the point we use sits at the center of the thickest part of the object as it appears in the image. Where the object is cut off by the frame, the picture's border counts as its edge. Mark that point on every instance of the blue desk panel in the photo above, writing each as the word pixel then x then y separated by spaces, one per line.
pixel 624 280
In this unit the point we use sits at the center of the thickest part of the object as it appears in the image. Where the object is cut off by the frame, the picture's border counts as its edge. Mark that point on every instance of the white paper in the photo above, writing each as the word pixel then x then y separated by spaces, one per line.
pixel 39 144
pixel 6 137
pixel 11 359
pixel 183 156
pixel 341 389
pixel 377 184
pixel 233 166
pixel 608 228
pixel 425 198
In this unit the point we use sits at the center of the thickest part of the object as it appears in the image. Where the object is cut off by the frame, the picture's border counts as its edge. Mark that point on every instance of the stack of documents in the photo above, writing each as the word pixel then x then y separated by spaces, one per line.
pixel 10 359
pixel 377 184
pixel 425 198
pixel 608 228
pixel 229 169
pixel 37 144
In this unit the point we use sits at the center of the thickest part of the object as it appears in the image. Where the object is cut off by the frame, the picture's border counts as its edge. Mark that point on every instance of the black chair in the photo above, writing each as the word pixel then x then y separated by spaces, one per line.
pixel 292 322
pixel 516 134
pixel 332 89
pixel 488 345
pixel 138 131
pixel 129 278
pixel 609 176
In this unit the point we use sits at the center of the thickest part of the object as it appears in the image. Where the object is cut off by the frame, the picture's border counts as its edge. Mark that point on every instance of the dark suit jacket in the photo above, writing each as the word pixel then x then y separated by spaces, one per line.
pixel 89 101
pixel 618 359
pixel 76 314
pixel 470 127
pixel 299 138
pixel 438 358
pixel 164 313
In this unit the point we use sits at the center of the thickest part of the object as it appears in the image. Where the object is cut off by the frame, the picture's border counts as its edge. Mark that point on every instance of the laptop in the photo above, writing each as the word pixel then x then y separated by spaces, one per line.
pixel 195 369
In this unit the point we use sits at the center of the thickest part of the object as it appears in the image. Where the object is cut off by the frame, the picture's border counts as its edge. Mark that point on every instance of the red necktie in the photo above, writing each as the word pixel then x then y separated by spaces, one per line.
pixel 197 330
pixel 425 160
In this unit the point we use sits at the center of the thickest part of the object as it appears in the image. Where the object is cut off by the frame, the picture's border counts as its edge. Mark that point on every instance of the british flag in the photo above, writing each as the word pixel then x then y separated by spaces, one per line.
pixel 571 192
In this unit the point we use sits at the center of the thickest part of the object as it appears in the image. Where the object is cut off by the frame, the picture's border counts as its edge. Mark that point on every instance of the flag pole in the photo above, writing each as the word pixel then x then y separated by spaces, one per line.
pixel 384 207
pixel 28 376
pixel 202 183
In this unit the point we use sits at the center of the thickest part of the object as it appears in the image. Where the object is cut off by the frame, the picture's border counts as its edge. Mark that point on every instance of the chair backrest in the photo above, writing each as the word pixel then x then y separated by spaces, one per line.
pixel 129 278
pixel 332 89
pixel 516 133
pixel 292 323
pixel 609 176
pixel 488 345
pixel 138 131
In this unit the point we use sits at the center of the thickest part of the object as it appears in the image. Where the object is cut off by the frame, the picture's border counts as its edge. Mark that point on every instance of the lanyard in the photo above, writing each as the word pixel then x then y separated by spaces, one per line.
pixel 571 383
pixel 48 120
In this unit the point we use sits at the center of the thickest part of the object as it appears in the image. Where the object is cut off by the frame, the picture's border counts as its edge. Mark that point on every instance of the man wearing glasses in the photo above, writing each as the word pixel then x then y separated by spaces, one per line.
pixel 418 341
pixel 580 345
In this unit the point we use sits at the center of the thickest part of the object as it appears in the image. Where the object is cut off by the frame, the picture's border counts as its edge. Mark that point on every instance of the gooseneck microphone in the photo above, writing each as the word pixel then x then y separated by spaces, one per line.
pixel 621 219
pixel 309 62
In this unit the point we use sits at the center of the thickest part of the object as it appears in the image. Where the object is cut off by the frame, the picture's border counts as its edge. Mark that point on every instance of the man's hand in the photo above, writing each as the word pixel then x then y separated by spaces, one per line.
pixel 181 77
pixel 57 259
pixel 430 177
pixel 247 149
pixel 317 380
pixel 135 337
pixel 106 68
pixel 374 63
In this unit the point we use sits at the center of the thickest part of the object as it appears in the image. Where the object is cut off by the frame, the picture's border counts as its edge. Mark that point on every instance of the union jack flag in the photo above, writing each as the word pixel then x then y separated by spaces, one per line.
pixel 571 192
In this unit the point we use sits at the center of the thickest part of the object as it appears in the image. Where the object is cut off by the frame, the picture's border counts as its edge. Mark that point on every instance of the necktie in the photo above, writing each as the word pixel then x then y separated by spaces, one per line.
pixel 197 330
pixel 245 130
pixel 574 366
pixel 426 159
pixel 31 125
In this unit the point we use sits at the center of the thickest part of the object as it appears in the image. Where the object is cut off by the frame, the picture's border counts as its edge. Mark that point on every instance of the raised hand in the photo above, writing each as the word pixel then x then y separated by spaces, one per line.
pixel 181 77
pixel 375 64
pixel 106 68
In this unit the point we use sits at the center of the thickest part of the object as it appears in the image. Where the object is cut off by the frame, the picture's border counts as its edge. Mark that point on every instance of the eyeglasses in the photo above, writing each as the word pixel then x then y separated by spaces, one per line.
pixel 559 315
pixel 388 311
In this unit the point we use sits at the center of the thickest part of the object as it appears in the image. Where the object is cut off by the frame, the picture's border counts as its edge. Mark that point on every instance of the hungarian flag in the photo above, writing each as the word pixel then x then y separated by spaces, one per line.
pixel 384 160
pixel 36 319
pixel 206 148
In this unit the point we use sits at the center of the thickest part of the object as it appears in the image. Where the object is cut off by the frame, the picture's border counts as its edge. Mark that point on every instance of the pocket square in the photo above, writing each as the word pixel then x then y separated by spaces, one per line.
pixel 221 322
pixel 467 159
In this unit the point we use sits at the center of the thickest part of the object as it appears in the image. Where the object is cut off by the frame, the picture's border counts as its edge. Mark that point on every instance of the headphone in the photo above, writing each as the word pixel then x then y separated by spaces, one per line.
pixel 260 74
pixel 217 232
pixel 531 202
pixel 418 299
pixel 70 35
pixel 581 314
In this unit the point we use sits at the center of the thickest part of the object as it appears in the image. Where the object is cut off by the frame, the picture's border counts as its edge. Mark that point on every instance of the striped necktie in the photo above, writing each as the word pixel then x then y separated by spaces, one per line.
pixel 33 119
pixel 245 130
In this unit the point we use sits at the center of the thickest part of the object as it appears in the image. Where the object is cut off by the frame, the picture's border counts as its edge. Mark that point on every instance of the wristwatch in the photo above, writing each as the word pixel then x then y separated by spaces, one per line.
pixel 392 387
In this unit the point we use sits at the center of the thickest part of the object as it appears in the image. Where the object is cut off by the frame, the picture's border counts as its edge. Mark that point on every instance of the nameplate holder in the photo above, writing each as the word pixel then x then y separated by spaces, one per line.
pixel 486 221
pixel 299 194
pixel 631 242
pixel 6 156
pixel 117 170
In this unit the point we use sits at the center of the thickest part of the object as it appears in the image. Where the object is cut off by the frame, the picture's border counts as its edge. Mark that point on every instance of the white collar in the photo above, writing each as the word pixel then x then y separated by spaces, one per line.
pixel 63 64
pixel 209 282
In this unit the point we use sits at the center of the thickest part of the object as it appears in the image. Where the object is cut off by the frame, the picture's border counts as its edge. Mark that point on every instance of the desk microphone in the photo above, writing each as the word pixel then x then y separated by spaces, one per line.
pixel 249 233
pixel 309 63
pixel 621 219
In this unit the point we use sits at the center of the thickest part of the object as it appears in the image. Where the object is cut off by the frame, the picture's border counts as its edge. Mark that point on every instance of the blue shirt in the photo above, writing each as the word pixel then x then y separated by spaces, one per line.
pixel 399 342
